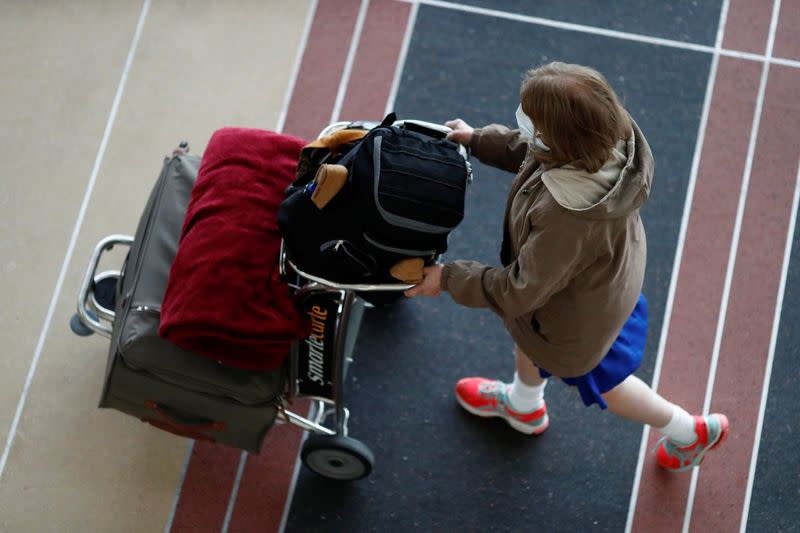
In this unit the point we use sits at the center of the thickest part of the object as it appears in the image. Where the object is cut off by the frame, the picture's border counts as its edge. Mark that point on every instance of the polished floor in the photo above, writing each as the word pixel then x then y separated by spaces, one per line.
pixel 94 94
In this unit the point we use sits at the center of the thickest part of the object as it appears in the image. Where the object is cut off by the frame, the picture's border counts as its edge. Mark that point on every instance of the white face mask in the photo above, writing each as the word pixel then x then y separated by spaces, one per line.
pixel 527 128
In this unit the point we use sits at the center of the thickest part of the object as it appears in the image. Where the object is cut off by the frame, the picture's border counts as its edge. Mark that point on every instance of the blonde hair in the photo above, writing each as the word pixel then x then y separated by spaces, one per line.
pixel 577 112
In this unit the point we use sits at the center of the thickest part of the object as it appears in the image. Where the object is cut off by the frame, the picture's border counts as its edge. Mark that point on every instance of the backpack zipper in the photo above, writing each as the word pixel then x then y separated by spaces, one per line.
pixel 340 246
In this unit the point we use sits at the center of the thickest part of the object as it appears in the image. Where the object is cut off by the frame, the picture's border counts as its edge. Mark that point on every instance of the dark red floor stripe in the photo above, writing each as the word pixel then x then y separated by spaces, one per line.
pixel 324 60
pixel 743 356
pixel 787 36
pixel 747 26
pixel 684 372
pixel 263 490
pixel 208 482
pixel 381 41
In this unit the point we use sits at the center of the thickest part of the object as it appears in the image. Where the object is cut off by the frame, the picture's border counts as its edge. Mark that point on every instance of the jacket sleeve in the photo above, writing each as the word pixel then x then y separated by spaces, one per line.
pixel 545 265
pixel 499 147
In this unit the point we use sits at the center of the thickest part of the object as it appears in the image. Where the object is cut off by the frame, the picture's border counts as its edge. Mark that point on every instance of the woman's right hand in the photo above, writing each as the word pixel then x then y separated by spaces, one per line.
pixel 462 132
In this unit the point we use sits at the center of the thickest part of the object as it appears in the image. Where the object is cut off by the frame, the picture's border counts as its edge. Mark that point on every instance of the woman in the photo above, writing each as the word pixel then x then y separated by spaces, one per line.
pixel 573 254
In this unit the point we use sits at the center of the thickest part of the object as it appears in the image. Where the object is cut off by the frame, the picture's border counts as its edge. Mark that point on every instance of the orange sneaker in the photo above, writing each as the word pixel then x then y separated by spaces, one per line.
pixel 712 430
pixel 487 398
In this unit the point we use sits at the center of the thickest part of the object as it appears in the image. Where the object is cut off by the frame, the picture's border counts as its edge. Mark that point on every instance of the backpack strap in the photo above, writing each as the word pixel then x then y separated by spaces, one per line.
pixel 389 119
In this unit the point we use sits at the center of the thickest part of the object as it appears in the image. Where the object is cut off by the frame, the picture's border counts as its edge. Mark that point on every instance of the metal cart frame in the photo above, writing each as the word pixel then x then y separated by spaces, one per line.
pixel 330 451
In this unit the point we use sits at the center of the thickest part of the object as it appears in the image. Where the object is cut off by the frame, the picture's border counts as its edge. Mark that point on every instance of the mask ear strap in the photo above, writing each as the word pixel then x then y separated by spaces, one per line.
pixel 524 122
pixel 526 126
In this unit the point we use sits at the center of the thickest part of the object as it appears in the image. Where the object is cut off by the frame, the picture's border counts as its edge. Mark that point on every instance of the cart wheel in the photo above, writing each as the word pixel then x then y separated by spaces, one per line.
pixel 78 327
pixel 337 457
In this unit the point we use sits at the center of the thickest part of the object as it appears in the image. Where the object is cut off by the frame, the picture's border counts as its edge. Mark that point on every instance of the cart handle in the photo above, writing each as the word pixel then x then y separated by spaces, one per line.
pixel 440 128
pixel 283 261
pixel 88 320
pixel 351 286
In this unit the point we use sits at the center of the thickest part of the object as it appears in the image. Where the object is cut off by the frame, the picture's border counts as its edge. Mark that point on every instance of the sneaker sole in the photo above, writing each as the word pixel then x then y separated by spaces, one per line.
pixel 723 434
pixel 516 424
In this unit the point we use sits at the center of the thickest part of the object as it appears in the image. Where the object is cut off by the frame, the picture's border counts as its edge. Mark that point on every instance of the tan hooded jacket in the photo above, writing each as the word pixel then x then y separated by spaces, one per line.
pixel 576 252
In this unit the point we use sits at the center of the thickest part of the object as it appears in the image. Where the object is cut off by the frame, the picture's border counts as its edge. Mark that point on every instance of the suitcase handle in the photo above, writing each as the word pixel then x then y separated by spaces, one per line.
pixel 181 424
pixel 181 432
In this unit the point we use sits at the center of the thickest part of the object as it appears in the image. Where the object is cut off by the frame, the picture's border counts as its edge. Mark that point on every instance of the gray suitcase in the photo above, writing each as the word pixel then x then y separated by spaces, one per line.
pixel 150 378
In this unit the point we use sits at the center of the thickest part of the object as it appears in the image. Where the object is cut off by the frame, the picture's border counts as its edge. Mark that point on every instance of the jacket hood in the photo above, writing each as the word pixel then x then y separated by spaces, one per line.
pixel 621 186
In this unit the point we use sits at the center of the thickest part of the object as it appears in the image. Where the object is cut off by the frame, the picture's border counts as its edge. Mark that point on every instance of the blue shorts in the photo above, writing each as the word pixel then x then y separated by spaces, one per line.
pixel 622 360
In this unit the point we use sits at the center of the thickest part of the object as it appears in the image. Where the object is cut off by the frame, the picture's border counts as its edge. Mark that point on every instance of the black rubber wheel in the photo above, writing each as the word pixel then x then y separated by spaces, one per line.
pixel 78 327
pixel 337 457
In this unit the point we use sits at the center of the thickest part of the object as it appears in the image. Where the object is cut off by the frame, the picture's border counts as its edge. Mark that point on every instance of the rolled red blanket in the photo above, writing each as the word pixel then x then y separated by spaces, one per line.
pixel 224 298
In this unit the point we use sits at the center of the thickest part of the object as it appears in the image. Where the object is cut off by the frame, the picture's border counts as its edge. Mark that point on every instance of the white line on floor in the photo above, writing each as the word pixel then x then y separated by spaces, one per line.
pixel 687 208
pixel 351 56
pixel 295 474
pixel 737 229
pixel 787 254
pixel 74 238
pixel 594 30
pixel 401 60
pixel 234 492
pixel 298 60
pixel 176 498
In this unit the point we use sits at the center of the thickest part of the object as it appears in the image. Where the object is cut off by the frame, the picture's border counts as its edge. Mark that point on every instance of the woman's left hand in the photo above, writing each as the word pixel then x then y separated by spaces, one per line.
pixel 429 286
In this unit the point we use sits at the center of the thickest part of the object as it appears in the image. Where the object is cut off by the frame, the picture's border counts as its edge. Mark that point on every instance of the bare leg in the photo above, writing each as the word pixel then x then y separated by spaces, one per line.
pixel 527 371
pixel 632 399
pixel 635 400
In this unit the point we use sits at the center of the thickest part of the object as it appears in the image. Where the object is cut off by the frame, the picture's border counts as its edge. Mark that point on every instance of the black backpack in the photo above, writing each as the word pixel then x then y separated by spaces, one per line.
pixel 403 195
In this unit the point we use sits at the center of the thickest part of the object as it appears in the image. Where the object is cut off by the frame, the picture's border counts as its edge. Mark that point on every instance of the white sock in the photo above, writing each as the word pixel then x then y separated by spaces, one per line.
pixel 525 398
pixel 680 427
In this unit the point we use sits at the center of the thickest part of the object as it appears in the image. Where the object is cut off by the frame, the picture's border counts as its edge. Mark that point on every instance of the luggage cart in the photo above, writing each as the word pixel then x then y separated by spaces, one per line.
pixel 316 367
